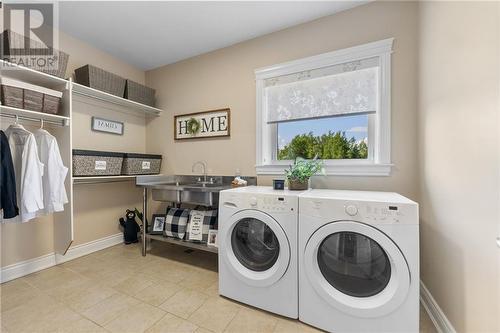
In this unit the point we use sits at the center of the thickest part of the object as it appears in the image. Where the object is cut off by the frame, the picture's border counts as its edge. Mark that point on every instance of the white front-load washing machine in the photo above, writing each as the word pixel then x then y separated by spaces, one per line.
pixel 358 261
pixel 258 248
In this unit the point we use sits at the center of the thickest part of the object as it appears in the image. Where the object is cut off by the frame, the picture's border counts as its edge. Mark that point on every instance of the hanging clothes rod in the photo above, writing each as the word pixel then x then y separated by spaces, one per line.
pixel 38 120
pixel 102 180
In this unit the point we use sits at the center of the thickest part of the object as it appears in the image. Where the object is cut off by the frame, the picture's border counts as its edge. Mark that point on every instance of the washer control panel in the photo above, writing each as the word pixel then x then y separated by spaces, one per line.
pixel 270 203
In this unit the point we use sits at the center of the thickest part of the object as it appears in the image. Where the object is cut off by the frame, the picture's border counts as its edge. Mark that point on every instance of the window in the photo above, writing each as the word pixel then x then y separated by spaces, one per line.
pixel 335 106
pixel 333 138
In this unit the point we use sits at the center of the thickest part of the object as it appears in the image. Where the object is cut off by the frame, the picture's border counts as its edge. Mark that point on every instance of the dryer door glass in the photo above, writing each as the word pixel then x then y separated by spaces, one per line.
pixel 354 264
pixel 254 244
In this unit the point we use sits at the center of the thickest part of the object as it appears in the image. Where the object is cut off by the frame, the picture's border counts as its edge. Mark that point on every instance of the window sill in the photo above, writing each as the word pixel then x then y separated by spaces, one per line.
pixel 337 169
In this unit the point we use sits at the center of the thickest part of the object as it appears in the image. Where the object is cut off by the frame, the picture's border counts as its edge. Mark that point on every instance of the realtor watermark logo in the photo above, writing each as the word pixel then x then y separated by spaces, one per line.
pixel 29 34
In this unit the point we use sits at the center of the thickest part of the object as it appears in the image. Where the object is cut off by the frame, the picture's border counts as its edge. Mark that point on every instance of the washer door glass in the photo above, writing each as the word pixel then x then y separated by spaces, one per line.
pixel 354 264
pixel 254 244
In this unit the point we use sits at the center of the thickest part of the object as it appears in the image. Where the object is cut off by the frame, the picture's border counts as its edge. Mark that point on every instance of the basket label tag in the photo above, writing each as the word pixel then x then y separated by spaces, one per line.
pixel 146 165
pixel 100 165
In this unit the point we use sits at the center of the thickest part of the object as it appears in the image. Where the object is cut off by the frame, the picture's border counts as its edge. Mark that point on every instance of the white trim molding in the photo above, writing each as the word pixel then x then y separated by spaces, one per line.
pixel 90 247
pixel 354 53
pixel 438 318
pixel 333 169
pixel 379 157
pixel 26 267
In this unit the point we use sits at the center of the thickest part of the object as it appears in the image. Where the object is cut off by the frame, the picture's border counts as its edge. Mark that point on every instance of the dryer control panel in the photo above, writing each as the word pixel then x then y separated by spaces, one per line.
pixel 363 211
pixel 382 213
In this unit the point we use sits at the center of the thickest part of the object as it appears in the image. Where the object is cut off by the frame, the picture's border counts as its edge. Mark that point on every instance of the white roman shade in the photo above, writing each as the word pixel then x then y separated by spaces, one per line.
pixel 342 89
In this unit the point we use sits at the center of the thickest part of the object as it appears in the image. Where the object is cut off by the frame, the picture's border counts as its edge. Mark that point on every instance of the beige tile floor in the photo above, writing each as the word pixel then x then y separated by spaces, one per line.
pixel 118 290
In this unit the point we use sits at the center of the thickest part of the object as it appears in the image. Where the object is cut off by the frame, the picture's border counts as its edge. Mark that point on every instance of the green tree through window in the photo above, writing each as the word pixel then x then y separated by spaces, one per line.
pixel 330 146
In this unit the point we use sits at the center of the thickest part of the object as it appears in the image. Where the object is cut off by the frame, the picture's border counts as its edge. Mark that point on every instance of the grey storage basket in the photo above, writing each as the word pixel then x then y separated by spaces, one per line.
pixel 27 96
pixel 141 164
pixel 12 49
pixel 33 100
pixel 100 79
pixel 51 104
pixel 139 93
pixel 88 163
pixel 12 96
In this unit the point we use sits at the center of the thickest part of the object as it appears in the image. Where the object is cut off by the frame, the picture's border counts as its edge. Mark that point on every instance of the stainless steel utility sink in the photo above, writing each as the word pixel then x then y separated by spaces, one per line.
pixel 188 189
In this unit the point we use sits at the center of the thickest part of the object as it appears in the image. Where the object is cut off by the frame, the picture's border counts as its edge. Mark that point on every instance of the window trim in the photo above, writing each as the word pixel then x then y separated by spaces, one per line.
pixel 380 165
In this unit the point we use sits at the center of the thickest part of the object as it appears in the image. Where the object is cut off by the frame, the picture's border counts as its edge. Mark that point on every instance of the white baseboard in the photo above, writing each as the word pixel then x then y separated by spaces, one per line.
pixel 437 315
pixel 26 267
pixel 90 247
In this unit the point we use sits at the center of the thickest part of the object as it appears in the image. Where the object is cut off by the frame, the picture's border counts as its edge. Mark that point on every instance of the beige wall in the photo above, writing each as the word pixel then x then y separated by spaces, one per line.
pixel 27 240
pixel 96 207
pixel 225 78
pixel 82 53
pixel 458 160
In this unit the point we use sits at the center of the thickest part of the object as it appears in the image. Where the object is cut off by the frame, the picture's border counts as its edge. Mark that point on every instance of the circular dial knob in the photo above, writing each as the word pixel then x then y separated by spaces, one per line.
pixel 351 210
pixel 253 201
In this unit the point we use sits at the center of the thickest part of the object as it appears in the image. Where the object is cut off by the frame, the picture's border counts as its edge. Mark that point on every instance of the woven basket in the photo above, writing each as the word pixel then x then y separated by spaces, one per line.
pixel 100 79
pixel 296 185
pixel 96 163
pixel 139 93
pixel 33 100
pixel 51 104
pixel 141 164
pixel 12 96
pixel 31 97
pixel 56 61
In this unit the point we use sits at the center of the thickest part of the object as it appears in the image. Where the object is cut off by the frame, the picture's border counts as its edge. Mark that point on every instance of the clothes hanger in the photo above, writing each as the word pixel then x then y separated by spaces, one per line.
pixel 41 123
pixel 16 124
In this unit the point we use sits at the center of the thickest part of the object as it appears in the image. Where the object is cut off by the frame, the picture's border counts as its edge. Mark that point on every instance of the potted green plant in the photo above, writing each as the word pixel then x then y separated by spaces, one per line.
pixel 299 173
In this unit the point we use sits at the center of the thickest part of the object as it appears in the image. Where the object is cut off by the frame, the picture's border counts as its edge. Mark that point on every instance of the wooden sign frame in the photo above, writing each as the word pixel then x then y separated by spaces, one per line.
pixel 204 125
pixel 99 125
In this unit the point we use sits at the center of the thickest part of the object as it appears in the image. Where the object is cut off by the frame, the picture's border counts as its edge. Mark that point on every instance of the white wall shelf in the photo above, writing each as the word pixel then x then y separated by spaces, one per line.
pixel 20 73
pixel 63 221
pixel 34 115
pixel 102 179
pixel 125 103
pixel 28 75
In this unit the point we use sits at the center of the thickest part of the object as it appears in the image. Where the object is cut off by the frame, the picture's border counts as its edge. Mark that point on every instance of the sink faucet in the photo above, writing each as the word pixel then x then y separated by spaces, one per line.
pixel 204 165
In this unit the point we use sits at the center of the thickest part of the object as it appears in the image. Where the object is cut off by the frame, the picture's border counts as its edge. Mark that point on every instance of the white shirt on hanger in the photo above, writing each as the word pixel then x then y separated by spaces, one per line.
pixel 54 191
pixel 28 170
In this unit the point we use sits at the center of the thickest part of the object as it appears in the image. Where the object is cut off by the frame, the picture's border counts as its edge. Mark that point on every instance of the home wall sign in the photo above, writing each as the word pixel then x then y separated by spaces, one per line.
pixel 207 124
pixel 107 126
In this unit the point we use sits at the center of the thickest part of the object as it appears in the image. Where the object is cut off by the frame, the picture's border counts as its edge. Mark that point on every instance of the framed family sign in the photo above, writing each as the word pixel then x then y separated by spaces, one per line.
pixel 107 126
pixel 207 124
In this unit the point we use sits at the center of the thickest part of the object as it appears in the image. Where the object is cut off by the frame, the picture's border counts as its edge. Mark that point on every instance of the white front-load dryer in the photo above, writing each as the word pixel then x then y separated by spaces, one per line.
pixel 358 261
pixel 258 248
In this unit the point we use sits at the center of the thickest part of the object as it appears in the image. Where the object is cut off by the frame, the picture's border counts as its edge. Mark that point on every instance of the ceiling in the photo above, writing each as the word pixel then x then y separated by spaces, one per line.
pixel 149 34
